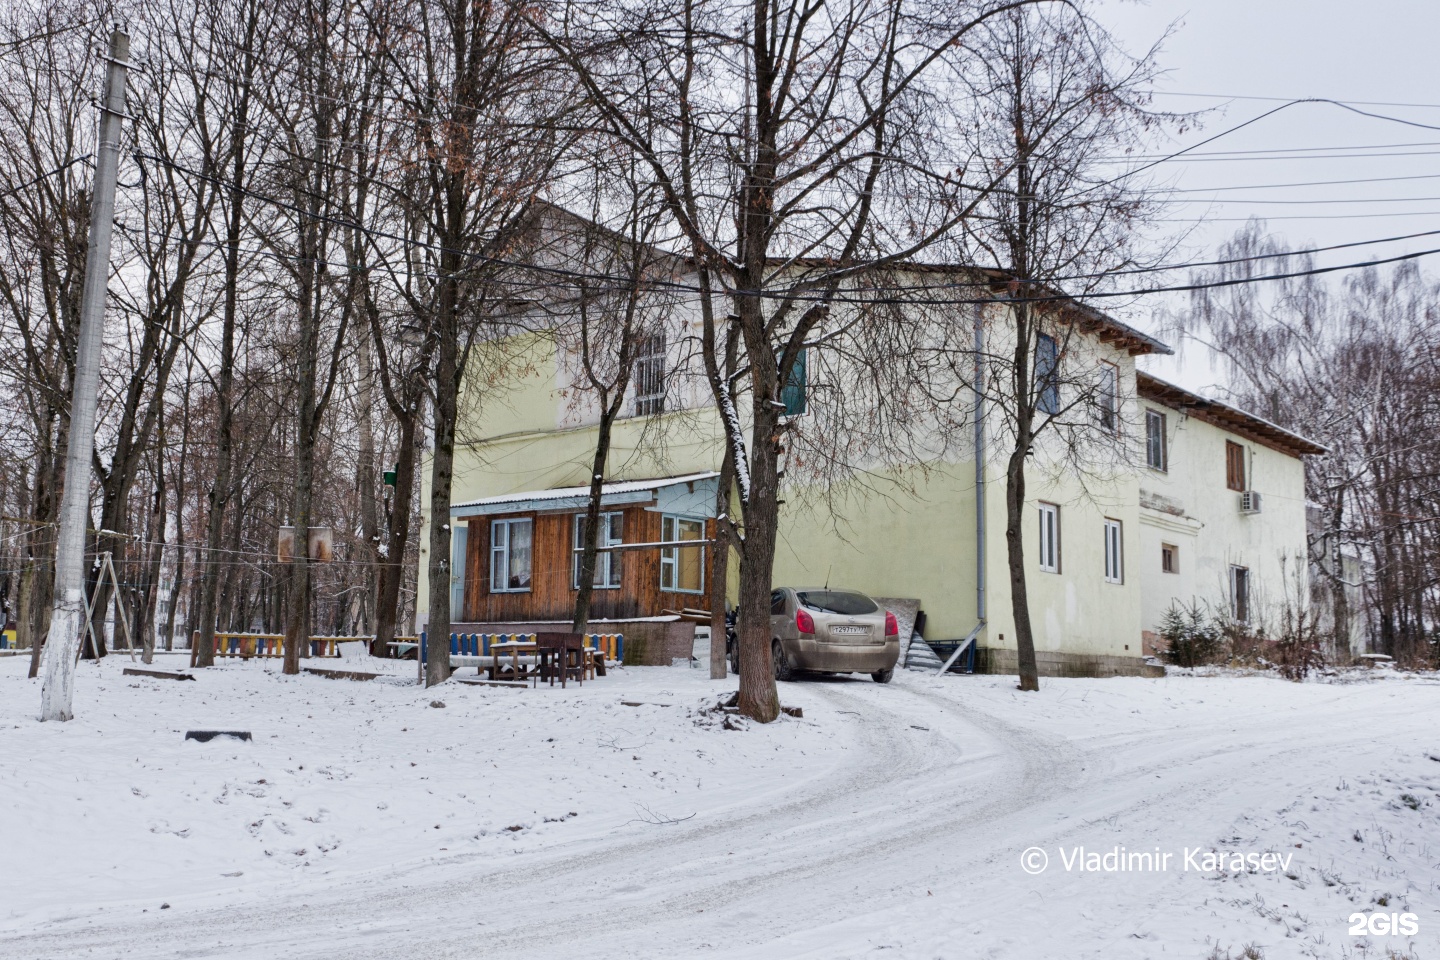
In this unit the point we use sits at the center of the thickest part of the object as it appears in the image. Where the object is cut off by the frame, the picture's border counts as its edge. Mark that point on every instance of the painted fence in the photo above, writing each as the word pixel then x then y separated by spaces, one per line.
pixel 478 644
pixel 262 645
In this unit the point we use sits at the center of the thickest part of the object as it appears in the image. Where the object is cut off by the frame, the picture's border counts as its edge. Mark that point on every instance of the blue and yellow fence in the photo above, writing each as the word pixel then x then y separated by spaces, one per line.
pixel 478 644
pixel 262 645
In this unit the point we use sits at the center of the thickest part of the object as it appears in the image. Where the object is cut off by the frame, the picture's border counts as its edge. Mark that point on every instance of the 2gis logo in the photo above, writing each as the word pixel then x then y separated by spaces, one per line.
pixel 1384 924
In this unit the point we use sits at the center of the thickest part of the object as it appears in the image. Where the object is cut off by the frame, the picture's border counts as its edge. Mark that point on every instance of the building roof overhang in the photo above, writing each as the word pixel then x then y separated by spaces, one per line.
pixel 1225 416
pixel 573 498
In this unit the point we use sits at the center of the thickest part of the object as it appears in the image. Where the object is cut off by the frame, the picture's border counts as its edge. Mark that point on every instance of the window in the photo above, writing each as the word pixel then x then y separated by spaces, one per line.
pixel 682 569
pixel 650 375
pixel 1107 397
pixel 1049 538
pixel 607 562
pixel 1240 594
pixel 1047 374
pixel 843 602
pixel 1234 465
pixel 459 536
pixel 510 555
pixel 777 603
pixel 1169 558
pixel 794 393
pixel 1156 453
pixel 1114 567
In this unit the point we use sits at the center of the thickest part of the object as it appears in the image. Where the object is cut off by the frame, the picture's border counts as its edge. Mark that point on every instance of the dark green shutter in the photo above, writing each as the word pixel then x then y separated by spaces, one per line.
pixel 793 395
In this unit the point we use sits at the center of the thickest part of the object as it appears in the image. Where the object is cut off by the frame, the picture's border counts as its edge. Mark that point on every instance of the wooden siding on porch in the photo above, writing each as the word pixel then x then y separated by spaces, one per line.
pixel 552 592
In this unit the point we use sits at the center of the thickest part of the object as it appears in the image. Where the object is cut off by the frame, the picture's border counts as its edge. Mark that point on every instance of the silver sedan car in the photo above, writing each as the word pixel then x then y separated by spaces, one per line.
pixel 832 631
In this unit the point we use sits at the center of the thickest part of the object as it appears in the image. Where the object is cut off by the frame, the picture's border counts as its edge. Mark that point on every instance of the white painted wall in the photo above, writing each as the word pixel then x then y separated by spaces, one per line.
pixel 1190 506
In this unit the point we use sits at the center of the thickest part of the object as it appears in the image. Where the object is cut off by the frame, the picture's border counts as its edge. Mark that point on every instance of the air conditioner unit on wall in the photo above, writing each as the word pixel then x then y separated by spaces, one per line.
pixel 1250 501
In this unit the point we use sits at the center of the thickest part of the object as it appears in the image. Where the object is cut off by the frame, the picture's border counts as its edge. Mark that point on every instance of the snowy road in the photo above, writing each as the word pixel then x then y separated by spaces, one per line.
pixel 891 824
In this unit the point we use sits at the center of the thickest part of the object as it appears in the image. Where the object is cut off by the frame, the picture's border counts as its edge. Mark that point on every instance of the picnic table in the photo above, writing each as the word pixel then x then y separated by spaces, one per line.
pixel 543 658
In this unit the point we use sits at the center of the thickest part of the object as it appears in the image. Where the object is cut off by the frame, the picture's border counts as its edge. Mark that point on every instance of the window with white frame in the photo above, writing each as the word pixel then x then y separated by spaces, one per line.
pixel 1114 562
pixel 1156 457
pixel 682 569
pixel 607 562
pixel 510 542
pixel 1049 538
pixel 1240 593
pixel 650 375
pixel 1107 397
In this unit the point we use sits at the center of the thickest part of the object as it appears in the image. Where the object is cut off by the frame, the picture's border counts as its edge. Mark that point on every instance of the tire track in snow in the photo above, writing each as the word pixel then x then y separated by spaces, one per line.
pixel 798 841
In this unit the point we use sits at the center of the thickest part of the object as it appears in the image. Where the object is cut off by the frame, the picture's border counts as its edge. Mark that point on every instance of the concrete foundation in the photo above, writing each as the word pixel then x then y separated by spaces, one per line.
pixel 1053 664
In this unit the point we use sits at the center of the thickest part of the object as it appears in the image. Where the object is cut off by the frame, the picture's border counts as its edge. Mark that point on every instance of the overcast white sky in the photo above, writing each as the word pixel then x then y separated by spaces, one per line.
pixel 1382 51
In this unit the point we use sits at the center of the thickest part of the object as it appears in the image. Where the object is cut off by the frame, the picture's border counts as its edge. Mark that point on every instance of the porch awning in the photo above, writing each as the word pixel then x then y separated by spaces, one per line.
pixel 693 494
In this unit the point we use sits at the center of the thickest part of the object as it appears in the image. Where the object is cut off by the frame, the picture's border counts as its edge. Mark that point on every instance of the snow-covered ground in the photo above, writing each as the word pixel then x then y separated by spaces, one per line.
pixel 891 821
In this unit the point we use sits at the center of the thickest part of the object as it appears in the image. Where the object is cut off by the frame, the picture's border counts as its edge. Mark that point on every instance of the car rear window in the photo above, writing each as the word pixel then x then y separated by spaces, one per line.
pixel 838 601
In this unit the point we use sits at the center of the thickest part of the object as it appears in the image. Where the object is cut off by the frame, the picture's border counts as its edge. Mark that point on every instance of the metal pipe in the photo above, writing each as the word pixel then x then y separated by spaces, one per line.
pixel 979 415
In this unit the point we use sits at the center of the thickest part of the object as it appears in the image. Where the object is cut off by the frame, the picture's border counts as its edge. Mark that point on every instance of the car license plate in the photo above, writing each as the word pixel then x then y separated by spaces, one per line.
pixel 849 631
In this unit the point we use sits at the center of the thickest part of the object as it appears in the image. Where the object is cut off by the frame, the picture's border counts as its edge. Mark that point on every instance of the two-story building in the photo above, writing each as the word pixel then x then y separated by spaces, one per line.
pixel 1199 501
pixel 1222 508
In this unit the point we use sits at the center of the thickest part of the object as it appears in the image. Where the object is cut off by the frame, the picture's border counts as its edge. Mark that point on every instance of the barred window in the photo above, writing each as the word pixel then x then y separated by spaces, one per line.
pixel 650 375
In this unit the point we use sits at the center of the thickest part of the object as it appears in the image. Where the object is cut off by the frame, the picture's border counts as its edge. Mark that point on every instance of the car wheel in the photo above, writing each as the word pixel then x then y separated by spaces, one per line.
pixel 735 662
pixel 883 676
pixel 783 670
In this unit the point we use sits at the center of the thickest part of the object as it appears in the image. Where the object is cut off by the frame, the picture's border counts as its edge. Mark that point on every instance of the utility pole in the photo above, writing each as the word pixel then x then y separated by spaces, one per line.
pixel 58 686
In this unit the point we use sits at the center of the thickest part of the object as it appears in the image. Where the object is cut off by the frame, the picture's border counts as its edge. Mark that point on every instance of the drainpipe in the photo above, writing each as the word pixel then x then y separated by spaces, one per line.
pixel 979 464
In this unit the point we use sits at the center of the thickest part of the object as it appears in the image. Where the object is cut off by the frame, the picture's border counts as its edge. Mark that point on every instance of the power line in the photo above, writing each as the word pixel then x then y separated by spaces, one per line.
pixel 1261 150
pixel 1237 96
pixel 1307 183
pixel 30 183
pixel 1303 216
pixel 794 296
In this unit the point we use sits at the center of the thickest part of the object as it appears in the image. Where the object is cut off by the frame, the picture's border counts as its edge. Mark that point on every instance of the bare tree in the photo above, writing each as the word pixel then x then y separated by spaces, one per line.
pixel 1056 100
pixel 795 147
pixel 1354 367
pixel 478 98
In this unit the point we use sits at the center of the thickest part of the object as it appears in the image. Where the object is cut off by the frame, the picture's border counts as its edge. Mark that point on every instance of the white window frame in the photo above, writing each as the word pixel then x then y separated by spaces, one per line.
pixel 670 556
pixel 607 566
pixel 650 375
pixel 501 548
pixel 1157 455
pixel 1049 515
pixel 1114 551
pixel 1238 572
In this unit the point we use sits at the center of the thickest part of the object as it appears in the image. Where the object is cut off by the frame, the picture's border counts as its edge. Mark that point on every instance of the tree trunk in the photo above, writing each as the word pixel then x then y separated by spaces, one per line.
pixel 759 699
pixel 219 498
pixel 1015 555
pixel 437 667
pixel 365 482
pixel 589 554
pixel 297 620
pixel 720 567
pixel 392 566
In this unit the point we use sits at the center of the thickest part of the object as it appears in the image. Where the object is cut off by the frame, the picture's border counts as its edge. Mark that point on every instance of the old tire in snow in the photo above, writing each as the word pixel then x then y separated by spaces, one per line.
pixel 883 676
pixel 783 670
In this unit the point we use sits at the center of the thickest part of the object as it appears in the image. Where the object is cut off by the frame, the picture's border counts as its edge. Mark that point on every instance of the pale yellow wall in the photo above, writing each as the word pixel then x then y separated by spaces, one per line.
pixel 1076 610
pixel 1214 533
pixel 514 436
pixel 906 539
pixel 898 537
